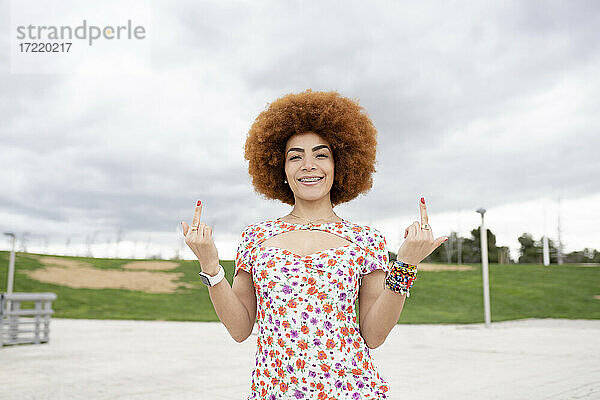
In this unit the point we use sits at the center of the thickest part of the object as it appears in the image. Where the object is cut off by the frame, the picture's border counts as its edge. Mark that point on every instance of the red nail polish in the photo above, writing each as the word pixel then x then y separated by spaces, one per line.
pixel 422 200
pixel 199 203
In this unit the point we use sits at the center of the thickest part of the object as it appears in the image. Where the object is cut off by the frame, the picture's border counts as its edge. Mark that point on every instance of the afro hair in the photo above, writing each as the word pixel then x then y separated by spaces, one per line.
pixel 339 120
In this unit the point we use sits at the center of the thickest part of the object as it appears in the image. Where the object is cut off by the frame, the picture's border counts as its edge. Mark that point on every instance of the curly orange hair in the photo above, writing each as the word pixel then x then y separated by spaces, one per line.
pixel 339 120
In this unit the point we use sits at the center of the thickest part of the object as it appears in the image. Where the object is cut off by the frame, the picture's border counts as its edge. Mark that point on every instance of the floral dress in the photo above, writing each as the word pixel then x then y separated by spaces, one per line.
pixel 309 344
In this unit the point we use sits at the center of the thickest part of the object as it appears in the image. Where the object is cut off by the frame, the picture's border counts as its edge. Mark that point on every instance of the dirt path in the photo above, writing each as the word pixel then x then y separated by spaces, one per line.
pixel 80 274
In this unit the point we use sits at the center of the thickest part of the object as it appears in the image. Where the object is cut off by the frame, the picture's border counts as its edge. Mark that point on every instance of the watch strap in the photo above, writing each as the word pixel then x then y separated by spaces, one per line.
pixel 210 280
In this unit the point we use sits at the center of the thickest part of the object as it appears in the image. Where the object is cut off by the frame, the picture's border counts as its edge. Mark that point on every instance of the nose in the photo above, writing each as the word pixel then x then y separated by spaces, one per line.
pixel 308 164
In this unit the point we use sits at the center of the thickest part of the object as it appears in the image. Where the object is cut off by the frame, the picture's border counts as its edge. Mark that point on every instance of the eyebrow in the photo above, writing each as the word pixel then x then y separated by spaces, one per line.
pixel 321 146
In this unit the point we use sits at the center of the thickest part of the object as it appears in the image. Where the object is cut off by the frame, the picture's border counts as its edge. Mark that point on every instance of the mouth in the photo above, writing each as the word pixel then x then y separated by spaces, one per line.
pixel 310 180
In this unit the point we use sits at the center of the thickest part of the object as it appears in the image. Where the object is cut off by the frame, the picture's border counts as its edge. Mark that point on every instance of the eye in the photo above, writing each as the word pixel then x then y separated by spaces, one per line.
pixel 293 157
pixel 324 155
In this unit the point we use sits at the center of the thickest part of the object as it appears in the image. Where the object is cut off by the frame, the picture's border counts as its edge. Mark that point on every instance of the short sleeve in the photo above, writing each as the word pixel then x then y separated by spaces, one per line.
pixel 376 252
pixel 243 257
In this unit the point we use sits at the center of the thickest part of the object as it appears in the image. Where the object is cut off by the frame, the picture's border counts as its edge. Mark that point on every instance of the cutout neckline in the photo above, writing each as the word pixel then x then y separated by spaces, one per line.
pixel 308 228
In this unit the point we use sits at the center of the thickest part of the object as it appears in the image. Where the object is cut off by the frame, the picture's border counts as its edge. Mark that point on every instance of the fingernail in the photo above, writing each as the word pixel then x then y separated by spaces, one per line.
pixel 199 203
pixel 446 240
pixel 422 200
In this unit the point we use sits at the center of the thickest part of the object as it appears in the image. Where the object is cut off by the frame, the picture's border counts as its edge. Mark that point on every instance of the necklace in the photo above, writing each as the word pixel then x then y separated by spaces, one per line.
pixel 311 222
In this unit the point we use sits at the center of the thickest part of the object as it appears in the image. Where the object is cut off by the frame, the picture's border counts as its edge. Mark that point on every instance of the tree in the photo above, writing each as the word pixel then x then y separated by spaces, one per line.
pixel 531 251
pixel 471 249
pixel 586 255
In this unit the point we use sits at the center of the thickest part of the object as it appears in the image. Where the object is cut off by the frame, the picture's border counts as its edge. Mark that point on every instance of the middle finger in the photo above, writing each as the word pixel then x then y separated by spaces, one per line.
pixel 423 210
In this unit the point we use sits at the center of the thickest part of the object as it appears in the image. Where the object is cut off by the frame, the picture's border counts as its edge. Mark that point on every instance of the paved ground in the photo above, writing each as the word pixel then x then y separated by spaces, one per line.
pixel 96 359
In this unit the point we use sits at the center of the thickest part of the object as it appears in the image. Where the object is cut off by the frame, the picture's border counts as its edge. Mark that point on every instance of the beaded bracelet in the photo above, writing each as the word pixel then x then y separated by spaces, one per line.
pixel 400 278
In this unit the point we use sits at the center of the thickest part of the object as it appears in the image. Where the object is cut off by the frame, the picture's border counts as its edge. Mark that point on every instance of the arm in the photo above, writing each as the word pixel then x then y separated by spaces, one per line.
pixel 235 305
pixel 378 308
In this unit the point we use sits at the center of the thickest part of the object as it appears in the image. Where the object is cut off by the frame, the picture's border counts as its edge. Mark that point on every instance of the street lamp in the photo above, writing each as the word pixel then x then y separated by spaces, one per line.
pixel 485 271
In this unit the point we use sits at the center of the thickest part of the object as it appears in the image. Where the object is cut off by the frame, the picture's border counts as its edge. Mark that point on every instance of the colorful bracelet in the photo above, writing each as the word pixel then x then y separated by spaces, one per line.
pixel 400 278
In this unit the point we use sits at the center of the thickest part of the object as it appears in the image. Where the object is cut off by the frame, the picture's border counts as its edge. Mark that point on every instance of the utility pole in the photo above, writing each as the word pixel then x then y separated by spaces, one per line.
pixel 545 247
pixel 485 271
pixel 560 245
pixel 459 244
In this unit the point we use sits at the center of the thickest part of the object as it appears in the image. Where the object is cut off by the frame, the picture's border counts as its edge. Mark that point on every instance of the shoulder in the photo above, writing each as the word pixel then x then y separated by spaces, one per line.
pixel 256 230
pixel 366 231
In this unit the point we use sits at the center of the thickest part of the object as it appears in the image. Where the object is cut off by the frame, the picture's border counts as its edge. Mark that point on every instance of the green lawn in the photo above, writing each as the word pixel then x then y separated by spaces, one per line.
pixel 517 291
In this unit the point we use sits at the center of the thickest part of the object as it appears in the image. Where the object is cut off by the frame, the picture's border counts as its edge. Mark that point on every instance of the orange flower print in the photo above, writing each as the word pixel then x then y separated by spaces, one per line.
pixel 302 345
pixel 294 380
pixel 341 316
pixel 304 329
pixel 331 262
pixel 282 310
pixel 283 387
pixel 325 367
pixel 322 355
pixel 300 363
pixel 344 331
pixel 320 332
pixel 285 324
pixel 271 284
pixel 322 296
pixel 330 344
pixel 322 396
pixel 357 371
pixel 359 356
pixel 312 290
pixel 311 281
pixel 290 352
pixel 309 308
pixel 327 308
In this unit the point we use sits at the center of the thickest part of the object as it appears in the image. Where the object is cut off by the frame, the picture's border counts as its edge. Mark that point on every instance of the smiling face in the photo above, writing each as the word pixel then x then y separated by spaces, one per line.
pixel 308 155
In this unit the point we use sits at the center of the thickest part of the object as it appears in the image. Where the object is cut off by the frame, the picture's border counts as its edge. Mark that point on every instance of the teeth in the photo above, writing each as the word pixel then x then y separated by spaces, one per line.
pixel 309 179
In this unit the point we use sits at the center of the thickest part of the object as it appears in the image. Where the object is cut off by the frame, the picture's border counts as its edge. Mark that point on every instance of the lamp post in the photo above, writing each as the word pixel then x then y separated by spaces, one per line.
pixel 485 271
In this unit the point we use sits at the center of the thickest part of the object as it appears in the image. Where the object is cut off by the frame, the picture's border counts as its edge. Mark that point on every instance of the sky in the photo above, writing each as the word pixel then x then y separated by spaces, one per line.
pixel 106 149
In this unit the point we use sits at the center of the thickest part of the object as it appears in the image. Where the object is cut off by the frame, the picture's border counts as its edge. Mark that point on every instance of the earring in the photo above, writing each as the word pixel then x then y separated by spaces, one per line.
pixel 285 181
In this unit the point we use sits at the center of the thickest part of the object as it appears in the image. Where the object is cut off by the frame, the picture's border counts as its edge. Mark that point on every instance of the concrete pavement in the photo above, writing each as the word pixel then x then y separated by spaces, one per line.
pixel 114 359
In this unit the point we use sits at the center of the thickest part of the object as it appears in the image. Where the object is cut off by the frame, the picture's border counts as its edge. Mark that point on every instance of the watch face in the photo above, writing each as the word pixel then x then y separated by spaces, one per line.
pixel 204 280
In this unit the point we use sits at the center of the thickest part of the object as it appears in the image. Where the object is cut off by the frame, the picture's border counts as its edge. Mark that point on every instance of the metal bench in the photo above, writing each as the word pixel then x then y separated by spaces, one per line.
pixel 19 325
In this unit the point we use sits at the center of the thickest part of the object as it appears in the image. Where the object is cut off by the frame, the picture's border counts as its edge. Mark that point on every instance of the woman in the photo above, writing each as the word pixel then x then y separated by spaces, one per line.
pixel 299 275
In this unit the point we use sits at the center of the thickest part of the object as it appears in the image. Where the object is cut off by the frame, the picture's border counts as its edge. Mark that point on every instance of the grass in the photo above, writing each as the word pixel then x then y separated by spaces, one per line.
pixel 517 291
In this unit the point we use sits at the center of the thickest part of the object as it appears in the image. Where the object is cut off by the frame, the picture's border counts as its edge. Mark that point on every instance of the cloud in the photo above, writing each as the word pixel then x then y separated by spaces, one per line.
pixel 477 104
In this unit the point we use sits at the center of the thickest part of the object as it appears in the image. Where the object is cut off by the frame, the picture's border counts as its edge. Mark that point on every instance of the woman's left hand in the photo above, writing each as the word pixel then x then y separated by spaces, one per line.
pixel 419 241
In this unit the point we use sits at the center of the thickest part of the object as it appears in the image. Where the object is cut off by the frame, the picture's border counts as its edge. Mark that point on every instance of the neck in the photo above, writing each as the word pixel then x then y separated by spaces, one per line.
pixel 314 209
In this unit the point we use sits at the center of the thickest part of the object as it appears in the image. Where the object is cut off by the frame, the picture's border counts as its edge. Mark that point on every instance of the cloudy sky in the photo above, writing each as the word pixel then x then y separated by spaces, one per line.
pixel 477 104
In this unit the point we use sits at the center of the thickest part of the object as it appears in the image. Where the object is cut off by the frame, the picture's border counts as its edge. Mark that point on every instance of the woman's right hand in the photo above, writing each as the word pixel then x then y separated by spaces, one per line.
pixel 201 242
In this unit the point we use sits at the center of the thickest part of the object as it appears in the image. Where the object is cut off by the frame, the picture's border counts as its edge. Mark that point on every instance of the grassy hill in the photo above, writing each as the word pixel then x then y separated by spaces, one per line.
pixel 517 291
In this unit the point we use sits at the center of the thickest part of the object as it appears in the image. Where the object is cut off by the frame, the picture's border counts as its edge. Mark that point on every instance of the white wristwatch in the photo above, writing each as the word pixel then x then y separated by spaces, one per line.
pixel 209 280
